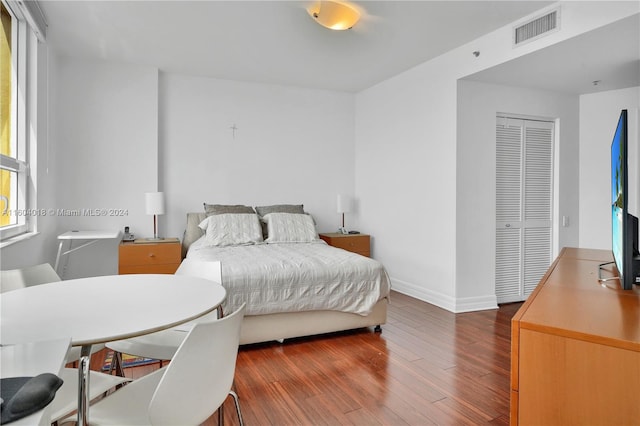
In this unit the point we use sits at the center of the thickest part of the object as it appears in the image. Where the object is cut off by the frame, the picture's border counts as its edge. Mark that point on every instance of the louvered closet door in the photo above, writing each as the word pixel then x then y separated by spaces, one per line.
pixel 524 194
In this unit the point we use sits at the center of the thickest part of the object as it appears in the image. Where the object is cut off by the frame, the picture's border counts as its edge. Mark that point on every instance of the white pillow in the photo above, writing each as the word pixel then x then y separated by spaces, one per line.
pixel 232 229
pixel 290 228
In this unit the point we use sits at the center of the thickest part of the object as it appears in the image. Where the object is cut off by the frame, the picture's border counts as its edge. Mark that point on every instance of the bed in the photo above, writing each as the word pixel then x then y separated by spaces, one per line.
pixel 294 284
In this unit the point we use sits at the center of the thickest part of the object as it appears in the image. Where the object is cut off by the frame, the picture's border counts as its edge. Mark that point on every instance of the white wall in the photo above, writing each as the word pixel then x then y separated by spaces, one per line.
pixel 478 104
pixel 291 146
pixel 405 179
pixel 106 153
pixel 406 166
pixel 599 115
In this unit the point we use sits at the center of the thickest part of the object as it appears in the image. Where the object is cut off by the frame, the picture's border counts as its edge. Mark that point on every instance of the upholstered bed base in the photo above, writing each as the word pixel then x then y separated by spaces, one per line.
pixel 280 326
pixel 264 328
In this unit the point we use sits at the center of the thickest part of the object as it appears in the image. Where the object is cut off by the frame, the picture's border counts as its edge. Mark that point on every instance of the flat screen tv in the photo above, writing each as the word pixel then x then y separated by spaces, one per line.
pixel 624 226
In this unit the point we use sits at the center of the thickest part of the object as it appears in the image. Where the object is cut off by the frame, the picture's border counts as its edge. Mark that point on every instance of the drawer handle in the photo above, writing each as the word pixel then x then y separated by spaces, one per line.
pixel 152 255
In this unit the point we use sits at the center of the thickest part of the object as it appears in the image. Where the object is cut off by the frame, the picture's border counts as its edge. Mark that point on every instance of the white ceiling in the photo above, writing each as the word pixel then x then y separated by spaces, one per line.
pixel 609 55
pixel 273 41
pixel 278 42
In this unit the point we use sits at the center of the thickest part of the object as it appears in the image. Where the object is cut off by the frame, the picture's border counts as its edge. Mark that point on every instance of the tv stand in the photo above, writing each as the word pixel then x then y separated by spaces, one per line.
pixel 575 348
pixel 601 279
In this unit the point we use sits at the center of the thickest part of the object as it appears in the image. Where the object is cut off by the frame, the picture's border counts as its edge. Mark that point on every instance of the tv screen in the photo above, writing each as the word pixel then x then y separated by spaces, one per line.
pixel 624 226
pixel 618 185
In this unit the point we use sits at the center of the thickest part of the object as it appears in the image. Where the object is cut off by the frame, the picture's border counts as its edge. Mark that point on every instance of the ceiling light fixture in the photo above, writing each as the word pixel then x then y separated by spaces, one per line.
pixel 335 15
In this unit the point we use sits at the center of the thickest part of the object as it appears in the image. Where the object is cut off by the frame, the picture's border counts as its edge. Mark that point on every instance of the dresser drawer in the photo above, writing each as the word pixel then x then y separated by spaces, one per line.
pixel 154 258
pixel 357 243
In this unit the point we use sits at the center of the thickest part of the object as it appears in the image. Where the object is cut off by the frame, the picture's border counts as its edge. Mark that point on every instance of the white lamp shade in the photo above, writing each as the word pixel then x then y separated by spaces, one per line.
pixel 154 202
pixel 345 203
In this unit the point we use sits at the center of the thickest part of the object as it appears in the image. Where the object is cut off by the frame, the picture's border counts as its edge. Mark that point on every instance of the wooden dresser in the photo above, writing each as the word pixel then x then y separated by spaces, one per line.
pixel 357 243
pixel 149 258
pixel 575 347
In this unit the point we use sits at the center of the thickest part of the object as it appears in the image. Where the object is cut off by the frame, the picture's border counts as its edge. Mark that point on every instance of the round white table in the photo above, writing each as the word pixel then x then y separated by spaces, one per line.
pixel 102 309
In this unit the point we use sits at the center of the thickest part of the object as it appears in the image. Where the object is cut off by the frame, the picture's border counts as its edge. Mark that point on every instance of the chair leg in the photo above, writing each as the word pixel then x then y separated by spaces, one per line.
pixel 221 415
pixel 112 364
pixel 236 400
pixel 116 364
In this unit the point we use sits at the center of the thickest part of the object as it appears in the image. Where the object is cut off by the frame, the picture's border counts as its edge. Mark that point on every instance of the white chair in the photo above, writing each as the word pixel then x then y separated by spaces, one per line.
pixel 13 279
pixel 66 399
pixel 163 344
pixel 189 390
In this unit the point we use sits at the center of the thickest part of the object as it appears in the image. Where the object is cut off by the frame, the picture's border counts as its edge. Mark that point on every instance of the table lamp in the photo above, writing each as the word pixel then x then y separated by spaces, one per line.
pixel 345 205
pixel 154 204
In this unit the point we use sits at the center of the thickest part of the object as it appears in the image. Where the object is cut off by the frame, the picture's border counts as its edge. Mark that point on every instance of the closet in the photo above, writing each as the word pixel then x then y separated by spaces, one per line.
pixel 524 205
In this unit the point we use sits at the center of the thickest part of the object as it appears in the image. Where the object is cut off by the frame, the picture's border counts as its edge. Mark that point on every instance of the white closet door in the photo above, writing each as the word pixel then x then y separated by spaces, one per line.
pixel 524 194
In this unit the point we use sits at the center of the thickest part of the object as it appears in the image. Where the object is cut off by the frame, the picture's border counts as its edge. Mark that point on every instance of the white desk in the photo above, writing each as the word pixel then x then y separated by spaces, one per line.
pixel 103 309
pixel 90 237
pixel 29 360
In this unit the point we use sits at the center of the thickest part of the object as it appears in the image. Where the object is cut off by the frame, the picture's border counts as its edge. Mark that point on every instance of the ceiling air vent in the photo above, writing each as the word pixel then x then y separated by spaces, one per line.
pixel 536 28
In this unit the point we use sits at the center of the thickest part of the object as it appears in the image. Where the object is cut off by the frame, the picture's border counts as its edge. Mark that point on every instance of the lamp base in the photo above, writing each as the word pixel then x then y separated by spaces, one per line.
pixel 343 230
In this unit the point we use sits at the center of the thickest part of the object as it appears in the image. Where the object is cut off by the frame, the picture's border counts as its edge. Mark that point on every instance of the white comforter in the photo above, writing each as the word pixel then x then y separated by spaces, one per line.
pixel 293 277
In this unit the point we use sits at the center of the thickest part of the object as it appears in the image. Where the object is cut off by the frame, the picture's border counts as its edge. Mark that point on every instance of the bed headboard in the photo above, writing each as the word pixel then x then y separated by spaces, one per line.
pixel 192 232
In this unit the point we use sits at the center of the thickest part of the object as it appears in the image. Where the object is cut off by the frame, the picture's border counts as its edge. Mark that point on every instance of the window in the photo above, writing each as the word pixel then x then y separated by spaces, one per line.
pixel 14 155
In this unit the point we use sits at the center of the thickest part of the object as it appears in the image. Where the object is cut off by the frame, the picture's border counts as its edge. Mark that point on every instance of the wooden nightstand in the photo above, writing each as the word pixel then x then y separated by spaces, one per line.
pixel 149 258
pixel 357 243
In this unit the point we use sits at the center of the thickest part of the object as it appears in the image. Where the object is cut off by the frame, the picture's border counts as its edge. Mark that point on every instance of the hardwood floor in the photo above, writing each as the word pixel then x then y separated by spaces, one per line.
pixel 428 366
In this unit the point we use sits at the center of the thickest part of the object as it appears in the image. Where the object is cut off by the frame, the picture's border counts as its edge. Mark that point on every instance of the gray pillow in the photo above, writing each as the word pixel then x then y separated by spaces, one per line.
pixel 210 209
pixel 280 208
pixel 276 208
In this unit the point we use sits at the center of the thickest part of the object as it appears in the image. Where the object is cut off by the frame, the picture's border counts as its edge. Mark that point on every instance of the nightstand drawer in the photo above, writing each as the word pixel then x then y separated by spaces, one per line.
pixel 357 243
pixel 149 254
pixel 153 258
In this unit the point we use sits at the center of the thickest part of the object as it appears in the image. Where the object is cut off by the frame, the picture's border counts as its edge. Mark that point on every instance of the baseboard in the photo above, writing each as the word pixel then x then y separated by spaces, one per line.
pixel 451 304
pixel 472 304
pixel 435 298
